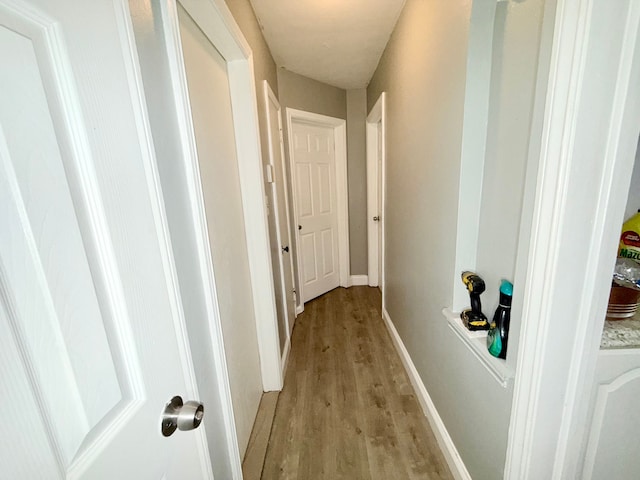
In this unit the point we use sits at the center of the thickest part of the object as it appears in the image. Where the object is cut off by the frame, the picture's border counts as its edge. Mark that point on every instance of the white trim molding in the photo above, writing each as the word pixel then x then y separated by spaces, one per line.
pixel 445 442
pixel 285 355
pixel 375 178
pixel 339 127
pixel 358 280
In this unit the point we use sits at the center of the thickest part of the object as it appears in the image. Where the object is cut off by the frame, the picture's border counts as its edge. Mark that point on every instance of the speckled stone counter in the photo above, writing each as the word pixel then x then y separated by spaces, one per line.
pixel 621 333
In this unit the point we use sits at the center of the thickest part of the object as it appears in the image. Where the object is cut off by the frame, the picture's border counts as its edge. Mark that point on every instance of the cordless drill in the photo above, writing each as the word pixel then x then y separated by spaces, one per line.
pixel 473 318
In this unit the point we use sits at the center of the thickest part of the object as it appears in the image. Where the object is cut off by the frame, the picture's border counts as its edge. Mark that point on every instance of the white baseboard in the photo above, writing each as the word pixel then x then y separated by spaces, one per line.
pixel 357 280
pixel 456 465
pixel 299 309
pixel 285 357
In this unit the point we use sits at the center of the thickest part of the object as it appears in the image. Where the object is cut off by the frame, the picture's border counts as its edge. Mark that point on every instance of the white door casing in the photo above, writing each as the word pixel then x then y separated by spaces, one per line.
pixel 94 339
pixel 317 153
pixel 376 135
pixel 281 208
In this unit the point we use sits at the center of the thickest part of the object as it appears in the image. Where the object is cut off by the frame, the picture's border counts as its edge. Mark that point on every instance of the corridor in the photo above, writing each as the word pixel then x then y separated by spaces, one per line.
pixel 347 410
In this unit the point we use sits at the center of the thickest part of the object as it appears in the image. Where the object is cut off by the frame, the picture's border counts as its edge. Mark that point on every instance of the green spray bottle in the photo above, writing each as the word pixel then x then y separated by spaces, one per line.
pixel 498 335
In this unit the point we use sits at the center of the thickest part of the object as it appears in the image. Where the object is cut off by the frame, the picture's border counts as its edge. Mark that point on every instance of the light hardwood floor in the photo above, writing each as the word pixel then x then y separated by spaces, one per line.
pixel 257 447
pixel 347 410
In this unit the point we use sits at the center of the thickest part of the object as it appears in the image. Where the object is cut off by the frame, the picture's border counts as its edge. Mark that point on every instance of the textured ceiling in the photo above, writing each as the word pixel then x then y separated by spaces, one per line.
pixel 338 42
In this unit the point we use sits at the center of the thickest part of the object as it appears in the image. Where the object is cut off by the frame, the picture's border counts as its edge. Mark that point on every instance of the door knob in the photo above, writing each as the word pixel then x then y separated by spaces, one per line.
pixel 285 249
pixel 376 219
pixel 181 416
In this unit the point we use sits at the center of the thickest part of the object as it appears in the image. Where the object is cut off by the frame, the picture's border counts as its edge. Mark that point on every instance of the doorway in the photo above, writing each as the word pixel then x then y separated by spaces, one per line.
pixel 376 134
pixel 204 286
pixel 213 128
pixel 318 165
pixel 279 223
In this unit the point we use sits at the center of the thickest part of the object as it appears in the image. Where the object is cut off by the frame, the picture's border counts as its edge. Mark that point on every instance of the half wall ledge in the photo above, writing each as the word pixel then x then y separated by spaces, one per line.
pixel 476 342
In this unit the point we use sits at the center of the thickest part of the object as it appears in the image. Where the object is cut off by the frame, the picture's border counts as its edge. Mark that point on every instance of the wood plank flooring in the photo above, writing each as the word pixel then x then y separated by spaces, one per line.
pixel 347 410
pixel 257 447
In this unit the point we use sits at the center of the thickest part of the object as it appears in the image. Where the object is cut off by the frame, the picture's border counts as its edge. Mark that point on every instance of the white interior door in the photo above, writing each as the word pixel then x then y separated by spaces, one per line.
pixel 313 151
pixel 92 345
pixel 277 265
pixel 380 193
pixel 281 205
pixel 375 191
pixel 212 115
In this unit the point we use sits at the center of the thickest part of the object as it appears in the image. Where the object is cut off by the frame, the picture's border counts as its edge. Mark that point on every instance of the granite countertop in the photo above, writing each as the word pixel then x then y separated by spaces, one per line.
pixel 621 333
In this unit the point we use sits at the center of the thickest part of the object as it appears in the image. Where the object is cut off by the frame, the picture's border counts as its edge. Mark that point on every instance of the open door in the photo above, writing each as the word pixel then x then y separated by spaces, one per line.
pixel 93 342
pixel 376 127
pixel 281 216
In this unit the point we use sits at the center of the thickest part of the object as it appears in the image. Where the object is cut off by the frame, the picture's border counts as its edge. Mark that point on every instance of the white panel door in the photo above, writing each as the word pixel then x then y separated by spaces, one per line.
pixel 91 345
pixel 316 197
pixel 380 205
pixel 281 206
pixel 211 111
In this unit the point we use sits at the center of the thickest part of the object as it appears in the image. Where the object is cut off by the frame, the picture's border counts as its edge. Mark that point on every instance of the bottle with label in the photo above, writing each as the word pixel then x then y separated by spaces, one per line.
pixel 498 336
pixel 630 238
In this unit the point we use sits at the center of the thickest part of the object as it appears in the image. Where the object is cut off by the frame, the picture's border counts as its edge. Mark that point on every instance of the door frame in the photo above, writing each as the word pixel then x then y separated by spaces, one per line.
pixel 564 301
pixel 270 96
pixel 218 24
pixel 339 127
pixel 374 178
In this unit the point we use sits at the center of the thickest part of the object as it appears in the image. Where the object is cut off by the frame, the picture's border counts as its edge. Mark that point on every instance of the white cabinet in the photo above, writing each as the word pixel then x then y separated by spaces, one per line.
pixel 614 436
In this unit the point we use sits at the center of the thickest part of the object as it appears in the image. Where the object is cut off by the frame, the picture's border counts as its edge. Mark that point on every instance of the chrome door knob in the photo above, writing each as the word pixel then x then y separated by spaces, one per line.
pixel 181 416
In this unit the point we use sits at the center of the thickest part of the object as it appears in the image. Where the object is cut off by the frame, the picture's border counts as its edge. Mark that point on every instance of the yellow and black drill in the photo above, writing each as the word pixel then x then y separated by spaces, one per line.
pixel 473 318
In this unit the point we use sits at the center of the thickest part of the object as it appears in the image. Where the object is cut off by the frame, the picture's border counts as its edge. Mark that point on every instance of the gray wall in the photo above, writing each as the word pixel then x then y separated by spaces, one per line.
pixel 423 70
pixel 302 93
pixel 357 173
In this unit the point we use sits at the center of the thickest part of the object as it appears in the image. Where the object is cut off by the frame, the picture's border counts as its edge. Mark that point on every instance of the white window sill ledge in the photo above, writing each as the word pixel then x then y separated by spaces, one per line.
pixel 477 343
